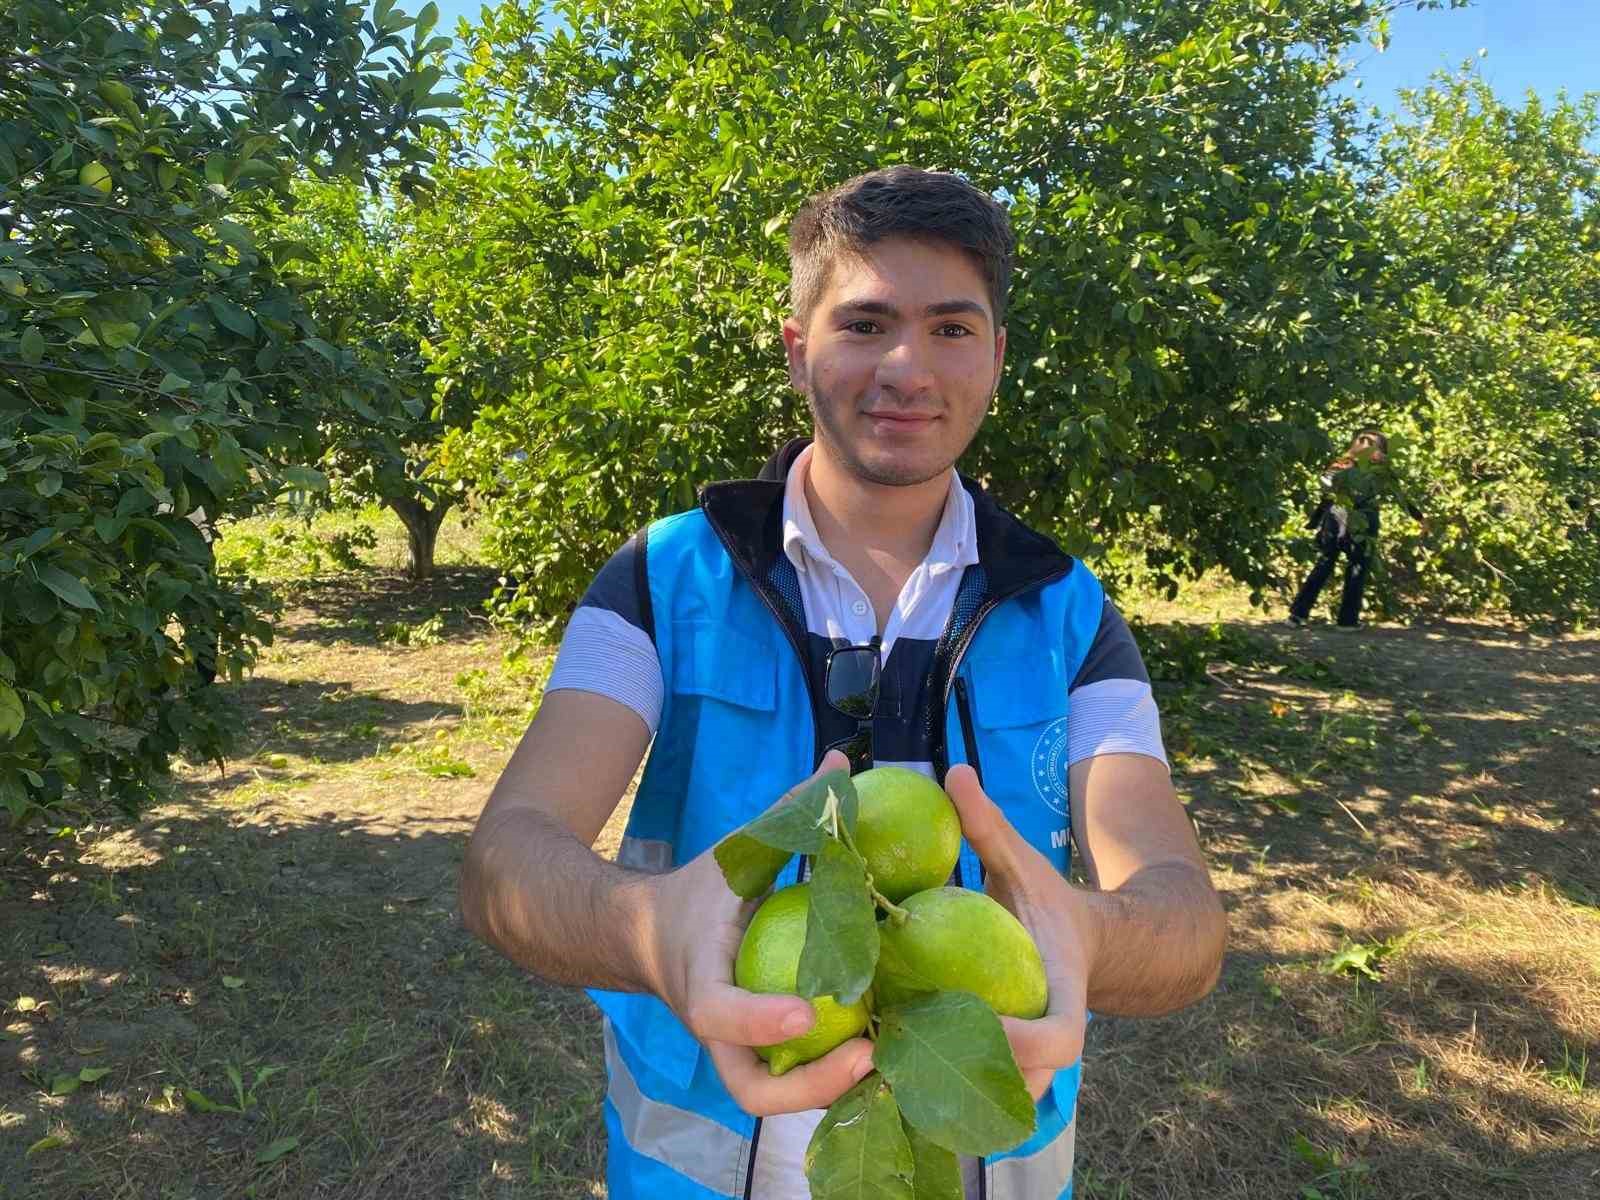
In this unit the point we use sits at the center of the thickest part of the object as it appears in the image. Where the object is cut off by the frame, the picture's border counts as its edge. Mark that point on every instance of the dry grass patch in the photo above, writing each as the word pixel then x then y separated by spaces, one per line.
pixel 1417 805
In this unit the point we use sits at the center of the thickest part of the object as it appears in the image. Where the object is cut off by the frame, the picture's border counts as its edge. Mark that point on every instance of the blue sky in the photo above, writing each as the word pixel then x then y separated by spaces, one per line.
pixel 1544 45
pixel 1540 44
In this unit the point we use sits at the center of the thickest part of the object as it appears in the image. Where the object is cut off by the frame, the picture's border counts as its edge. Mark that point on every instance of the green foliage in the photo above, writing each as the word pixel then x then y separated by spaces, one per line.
pixel 156 360
pixel 1489 213
pixel 288 548
pixel 1190 299
pixel 383 442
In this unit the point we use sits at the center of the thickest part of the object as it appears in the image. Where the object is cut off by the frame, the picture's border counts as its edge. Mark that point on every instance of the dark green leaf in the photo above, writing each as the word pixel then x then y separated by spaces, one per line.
pixel 68 587
pixel 947 1056
pixel 749 867
pixel 11 712
pixel 859 1150
pixel 800 824
pixel 750 858
pixel 841 948
pixel 32 344
pixel 232 316
pixel 276 1150
pixel 938 1171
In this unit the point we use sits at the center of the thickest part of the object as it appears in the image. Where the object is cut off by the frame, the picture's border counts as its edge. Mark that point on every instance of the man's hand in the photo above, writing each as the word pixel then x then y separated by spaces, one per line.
pixel 1054 913
pixel 697 926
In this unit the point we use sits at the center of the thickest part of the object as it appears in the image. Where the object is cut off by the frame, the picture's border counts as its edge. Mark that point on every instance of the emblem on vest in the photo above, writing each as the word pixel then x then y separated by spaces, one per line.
pixel 1050 765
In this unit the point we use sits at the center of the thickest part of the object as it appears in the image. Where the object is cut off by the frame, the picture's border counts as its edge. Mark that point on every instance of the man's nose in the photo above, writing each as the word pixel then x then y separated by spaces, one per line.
pixel 905 368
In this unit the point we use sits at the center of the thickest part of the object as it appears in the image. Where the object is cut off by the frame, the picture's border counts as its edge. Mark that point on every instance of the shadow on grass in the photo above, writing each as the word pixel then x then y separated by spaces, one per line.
pixel 1415 1086
pixel 1453 748
pixel 410 1060
pixel 370 608
pixel 319 722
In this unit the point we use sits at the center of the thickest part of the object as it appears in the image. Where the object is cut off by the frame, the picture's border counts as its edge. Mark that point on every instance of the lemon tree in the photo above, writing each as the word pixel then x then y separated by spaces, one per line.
pixel 946 1082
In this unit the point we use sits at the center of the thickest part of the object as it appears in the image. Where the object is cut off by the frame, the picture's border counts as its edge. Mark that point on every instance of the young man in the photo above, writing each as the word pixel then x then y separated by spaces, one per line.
pixel 710 632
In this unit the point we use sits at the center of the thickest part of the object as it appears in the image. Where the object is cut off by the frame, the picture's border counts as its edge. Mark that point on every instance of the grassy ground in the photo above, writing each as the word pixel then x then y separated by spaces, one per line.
pixel 262 989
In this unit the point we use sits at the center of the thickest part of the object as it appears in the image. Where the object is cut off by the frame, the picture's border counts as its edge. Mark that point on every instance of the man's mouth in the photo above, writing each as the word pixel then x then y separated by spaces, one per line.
pixel 900 418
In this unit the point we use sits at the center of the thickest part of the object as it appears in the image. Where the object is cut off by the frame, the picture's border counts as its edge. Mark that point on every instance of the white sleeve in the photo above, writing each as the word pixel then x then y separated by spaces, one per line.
pixel 604 652
pixel 1113 716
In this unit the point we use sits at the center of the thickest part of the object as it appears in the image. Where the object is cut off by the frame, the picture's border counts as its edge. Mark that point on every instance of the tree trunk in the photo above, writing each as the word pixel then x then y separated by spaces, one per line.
pixel 422 531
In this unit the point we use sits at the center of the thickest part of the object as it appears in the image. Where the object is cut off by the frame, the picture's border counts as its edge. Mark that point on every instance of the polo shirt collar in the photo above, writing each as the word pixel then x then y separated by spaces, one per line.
pixel 955 542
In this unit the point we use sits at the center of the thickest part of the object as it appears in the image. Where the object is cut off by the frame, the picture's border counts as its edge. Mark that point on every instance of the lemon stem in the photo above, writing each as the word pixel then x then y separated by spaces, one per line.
pixel 841 834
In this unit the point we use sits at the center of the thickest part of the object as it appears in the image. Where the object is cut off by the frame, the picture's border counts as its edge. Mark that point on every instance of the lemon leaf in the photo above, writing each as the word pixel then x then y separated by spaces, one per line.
pixel 841 948
pixel 276 1150
pixel 947 1057
pixel 859 1150
pixel 752 857
pixel 937 1174
pixel 749 867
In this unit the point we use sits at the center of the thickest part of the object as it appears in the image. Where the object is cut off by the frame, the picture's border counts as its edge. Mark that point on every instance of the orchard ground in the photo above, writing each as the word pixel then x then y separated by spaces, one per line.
pixel 262 988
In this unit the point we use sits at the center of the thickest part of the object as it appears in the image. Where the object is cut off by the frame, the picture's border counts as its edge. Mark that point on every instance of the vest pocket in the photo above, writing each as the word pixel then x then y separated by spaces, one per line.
pixel 1006 694
pixel 723 664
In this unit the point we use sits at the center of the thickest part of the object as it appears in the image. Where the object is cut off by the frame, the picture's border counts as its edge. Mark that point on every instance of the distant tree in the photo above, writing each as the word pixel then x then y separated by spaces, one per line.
pixel 385 443
pixel 1490 216
pixel 1192 294
pixel 156 358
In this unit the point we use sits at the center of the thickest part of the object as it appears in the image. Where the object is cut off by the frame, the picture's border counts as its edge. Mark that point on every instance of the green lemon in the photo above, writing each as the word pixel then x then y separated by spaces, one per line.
pixel 956 939
pixel 94 175
pixel 769 961
pixel 907 830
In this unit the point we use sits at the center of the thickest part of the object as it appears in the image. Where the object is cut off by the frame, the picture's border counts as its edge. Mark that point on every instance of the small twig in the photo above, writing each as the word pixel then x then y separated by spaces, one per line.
pixel 1352 816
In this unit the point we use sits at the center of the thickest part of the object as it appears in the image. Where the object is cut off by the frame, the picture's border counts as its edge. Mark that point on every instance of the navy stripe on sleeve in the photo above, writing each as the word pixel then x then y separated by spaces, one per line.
pixel 616 588
pixel 1113 654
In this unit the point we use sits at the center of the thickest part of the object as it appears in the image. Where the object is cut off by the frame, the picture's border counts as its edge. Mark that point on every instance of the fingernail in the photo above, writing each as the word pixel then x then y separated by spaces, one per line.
pixel 862 1068
pixel 798 1022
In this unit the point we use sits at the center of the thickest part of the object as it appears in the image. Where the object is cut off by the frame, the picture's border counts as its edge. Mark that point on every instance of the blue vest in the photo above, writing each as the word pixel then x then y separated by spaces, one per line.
pixel 723 608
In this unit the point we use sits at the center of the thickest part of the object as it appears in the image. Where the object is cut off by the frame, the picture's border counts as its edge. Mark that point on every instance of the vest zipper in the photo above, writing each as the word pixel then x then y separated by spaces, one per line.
pixel 969 738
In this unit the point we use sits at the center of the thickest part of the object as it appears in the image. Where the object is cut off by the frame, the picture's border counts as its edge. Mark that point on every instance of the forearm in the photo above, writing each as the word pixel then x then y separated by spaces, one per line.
pixel 538 895
pixel 1155 943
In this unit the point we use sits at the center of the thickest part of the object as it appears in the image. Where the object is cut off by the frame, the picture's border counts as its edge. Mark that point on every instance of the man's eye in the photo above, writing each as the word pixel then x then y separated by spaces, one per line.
pixel 954 330
pixel 862 327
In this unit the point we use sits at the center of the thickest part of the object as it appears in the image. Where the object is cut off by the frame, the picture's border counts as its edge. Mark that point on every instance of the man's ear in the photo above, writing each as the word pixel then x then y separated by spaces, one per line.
pixel 794 345
pixel 999 358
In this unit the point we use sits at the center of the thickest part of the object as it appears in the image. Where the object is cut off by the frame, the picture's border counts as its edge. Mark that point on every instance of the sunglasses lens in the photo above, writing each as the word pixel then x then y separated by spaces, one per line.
pixel 852 682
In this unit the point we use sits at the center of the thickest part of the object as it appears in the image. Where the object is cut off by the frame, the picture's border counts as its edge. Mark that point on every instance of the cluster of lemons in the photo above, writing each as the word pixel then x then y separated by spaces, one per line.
pixel 941 939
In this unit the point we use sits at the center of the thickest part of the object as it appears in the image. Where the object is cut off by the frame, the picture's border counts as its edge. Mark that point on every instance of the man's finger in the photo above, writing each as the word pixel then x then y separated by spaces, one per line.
pixel 1049 1043
pixel 724 1013
pixel 997 844
pixel 815 1085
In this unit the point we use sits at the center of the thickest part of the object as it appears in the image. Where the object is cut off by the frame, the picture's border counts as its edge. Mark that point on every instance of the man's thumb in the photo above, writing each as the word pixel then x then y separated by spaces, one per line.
pixel 833 760
pixel 982 822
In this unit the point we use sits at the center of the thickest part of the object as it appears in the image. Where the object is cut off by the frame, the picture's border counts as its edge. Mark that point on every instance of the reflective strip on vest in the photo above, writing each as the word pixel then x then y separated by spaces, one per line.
pixel 692 1145
pixel 644 854
pixel 1045 1173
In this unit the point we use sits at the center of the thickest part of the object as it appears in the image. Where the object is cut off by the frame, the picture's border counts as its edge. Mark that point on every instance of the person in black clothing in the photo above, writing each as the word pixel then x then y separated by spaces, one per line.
pixel 1346 522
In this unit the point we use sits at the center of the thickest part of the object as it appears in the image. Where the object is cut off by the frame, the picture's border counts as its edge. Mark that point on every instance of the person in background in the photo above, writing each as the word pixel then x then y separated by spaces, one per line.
pixel 1346 522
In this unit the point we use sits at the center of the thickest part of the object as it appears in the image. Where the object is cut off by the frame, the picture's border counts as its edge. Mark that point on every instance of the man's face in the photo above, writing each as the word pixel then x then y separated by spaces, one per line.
pixel 899 360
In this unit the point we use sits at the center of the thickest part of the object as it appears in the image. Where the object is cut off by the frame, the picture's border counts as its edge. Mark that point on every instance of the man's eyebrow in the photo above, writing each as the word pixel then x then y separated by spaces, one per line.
pixel 950 308
pixel 880 308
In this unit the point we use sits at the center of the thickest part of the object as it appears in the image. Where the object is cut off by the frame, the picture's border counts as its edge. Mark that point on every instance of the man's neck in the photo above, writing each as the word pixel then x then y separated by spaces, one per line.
pixel 854 517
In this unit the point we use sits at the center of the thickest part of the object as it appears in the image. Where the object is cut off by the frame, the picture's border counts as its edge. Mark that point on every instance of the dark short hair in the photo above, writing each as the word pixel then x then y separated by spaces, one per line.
pixel 1373 435
pixel 898 201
